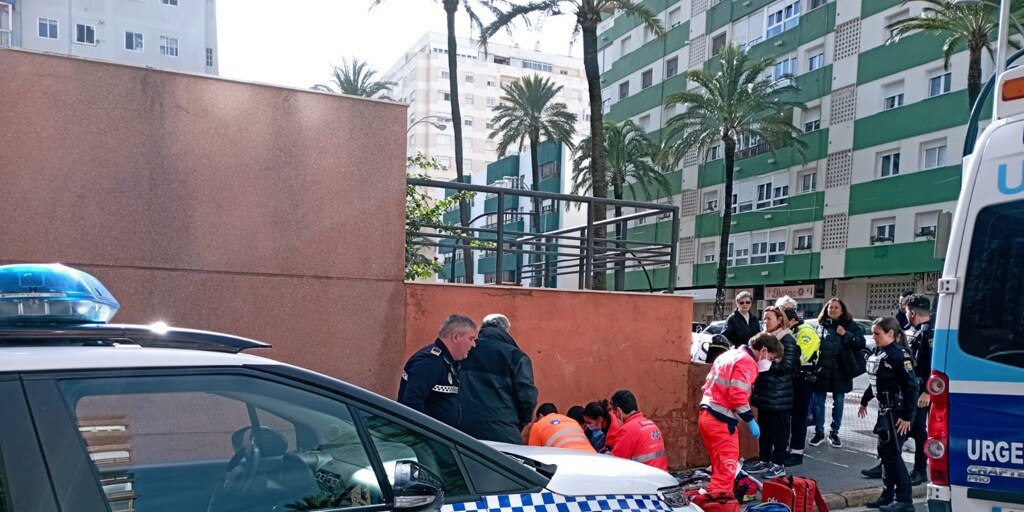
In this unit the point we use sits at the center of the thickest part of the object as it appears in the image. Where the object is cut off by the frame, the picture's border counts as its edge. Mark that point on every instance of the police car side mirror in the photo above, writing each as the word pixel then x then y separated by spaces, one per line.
pixel 417 489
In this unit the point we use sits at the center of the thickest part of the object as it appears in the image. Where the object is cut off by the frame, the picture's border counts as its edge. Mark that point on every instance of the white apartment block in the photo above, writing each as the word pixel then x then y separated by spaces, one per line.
pixel 423 83
pixel 180 35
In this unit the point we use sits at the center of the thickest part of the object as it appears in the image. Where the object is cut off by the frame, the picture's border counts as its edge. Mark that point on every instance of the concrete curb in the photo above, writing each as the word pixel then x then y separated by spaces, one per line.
pixel 855 498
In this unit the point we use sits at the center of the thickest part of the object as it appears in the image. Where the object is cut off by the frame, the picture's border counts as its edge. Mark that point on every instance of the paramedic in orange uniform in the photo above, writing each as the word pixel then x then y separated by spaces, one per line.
pixel 557 431
pixel 639 438
pixel 727 400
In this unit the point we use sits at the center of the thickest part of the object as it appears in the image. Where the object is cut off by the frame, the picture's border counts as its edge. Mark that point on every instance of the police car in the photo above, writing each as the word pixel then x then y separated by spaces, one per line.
pixel 99 416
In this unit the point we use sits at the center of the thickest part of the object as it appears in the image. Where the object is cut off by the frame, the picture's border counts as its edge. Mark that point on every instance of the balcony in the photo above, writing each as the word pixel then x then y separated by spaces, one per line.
pixel 5 38
pixel 752 151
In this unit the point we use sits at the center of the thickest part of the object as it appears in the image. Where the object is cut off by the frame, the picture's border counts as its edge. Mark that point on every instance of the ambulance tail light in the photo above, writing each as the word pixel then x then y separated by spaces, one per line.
pixel 937 446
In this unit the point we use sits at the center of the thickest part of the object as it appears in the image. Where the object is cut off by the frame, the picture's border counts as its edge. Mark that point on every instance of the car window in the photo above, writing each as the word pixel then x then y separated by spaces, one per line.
pixel 715 328
pixel 188 443
pixel 397 442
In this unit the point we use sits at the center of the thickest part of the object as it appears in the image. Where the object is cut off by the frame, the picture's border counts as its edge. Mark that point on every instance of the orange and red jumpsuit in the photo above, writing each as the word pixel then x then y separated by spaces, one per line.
pixel 726 401
pixel 640 439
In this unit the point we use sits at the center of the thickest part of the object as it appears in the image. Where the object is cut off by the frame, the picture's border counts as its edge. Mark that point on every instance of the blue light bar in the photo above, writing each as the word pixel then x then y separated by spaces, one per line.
pixel 52 293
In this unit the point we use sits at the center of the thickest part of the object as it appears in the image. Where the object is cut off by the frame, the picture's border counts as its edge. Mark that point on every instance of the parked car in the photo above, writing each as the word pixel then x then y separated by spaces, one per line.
pixel 99 416
pixel 701 341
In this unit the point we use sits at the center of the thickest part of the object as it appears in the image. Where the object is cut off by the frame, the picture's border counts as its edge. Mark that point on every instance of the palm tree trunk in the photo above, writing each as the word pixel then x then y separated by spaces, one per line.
pixel 620 234
pixel 450 7
pixel 973 75
pixel 723 248
pixel 535 186
pixel 599 183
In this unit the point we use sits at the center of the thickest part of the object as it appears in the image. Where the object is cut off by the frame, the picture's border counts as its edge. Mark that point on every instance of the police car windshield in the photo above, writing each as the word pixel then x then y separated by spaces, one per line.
pixel 546 470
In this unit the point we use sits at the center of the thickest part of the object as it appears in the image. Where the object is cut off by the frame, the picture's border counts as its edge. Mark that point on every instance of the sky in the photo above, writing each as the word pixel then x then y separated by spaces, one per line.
pixel 295 43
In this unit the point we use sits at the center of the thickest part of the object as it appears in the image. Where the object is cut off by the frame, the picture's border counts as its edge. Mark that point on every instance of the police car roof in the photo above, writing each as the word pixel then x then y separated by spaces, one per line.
pixel 37 358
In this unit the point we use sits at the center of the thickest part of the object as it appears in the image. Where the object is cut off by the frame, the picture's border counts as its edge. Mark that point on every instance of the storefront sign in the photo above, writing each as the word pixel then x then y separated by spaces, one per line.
pixel 803 291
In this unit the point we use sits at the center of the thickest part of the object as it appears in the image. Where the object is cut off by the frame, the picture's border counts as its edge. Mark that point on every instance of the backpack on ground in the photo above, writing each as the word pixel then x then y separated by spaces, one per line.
pixel 715 502
pixel 797 493
pixel 771 506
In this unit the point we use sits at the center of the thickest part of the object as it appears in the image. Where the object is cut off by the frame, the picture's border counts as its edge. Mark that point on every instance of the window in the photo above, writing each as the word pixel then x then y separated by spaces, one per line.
pixel 467 164
pixel 209 63
pixel 675 17
pixel 934 155
pixel 470 78
pixel 743 196
pixel 781 17
pixel 764 195
pixel 893 33
pixel 85 34
pixel 893 94
pixel 48 28
pixel 133 41
pixel 939 83
pixel 547 206
pixel 711 201
pixel 889 164
pixel 646 79
pixel 767 246
pixel 169 2
pixel 444 140
pixel 816 59
pixel 444 74
pixel 469 99
pixel 167 434
pixel 537 66
pixel 445 95
pixel 987 326
pixel 672 67
pixel 644 122
pixel 883 230
pixel 715 152
pixel 784 68
pixel 548 170
pixel 489 125
pixel 623 90
pixel 491 102
pixel 490 82
pixel 717 44
pixel 738 253
pixel 489 278
pixel 808 180
pixel 925 224
pixel 468 121
pixel 812 119
pixel 708 254
pixel 803 240
pixel 624 45
pixel 169 46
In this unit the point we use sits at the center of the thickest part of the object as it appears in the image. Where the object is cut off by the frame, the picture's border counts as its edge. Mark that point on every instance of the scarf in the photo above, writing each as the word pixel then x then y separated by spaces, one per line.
pixel 781 333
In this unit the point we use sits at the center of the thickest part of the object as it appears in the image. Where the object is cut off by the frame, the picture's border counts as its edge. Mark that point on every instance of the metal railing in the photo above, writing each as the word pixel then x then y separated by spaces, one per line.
pixel 5 38
pixel 539 258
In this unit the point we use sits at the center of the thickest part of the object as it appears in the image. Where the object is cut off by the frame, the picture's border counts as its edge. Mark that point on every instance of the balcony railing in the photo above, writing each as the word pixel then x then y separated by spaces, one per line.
pixel 5 38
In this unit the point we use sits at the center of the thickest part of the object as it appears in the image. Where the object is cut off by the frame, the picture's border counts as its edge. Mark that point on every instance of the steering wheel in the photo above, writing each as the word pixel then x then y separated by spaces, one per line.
pixel 240 478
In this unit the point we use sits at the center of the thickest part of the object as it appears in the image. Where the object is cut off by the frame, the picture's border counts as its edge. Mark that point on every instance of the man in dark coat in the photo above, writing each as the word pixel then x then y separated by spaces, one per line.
pixel 430 380
pixel 498 395
pixel 742 324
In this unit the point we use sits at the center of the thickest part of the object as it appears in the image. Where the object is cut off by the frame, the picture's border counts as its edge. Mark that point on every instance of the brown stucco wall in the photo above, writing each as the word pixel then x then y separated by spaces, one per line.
pixel 585 346
pixel 213 204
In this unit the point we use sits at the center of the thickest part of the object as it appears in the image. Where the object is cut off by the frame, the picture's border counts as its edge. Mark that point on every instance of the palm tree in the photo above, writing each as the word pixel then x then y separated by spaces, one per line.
pixel 730 104
pixel 527 114
pixel 450 8
pixel 356 79
pixel 973 25
pixel 588 15
pixel 631 161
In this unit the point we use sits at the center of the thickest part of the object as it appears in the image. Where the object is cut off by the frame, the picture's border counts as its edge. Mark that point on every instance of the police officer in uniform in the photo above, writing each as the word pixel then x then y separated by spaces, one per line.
pixel 430 380
pixel 894 383
pixel 921 341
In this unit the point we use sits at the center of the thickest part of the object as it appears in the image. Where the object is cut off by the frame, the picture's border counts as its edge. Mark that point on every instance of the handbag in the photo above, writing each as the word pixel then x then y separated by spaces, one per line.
pixel 852 362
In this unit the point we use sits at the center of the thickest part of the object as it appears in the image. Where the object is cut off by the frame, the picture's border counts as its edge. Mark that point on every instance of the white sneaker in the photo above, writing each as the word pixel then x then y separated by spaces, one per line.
pixel 774 470
pixel 758 467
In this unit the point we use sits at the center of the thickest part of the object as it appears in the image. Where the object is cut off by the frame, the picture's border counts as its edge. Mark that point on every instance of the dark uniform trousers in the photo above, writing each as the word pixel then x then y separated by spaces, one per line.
pixel 894 471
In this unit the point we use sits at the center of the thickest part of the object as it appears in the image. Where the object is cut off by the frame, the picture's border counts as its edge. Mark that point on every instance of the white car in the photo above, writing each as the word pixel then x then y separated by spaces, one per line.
pixel 700 341
pixel 108 417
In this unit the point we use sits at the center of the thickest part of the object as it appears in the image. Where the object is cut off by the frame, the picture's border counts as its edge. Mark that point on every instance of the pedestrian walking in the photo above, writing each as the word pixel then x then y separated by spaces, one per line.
pixel 842 341
pixel 922 338
pixel 805 380
pixel 497 393
pixel 555 430
pixel 742 324
pixel 639 439
pixel 726 400
pixel 893 382
pixel 430 380
pixel 773 398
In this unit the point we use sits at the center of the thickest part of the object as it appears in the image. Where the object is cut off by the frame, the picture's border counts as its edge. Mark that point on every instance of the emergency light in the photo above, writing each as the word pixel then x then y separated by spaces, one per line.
pixel 52 294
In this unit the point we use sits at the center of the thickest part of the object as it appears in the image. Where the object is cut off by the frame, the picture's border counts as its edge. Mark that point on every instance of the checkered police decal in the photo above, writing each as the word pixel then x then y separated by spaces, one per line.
pixel 551 502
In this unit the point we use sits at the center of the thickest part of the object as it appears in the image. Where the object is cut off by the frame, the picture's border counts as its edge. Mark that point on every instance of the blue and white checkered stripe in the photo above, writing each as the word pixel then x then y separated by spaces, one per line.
pixel 552 502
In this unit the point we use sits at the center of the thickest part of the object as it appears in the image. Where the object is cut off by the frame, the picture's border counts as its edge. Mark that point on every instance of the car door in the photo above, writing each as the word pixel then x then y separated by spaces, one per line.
pixel 203 440
pixel 24 482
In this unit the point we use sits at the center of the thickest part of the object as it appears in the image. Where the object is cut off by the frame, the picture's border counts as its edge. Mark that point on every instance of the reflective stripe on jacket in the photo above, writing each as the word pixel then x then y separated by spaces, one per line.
pixel 641 440
pixel 729 384
pixel 559 431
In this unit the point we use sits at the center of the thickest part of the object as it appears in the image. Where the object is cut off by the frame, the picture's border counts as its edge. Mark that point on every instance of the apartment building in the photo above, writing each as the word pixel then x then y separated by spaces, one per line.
pixel 180 35
pixel 423 83
pixel 885 124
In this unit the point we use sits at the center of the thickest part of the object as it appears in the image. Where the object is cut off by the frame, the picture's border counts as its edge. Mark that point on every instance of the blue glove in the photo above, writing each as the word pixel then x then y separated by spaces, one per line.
pixel 755 430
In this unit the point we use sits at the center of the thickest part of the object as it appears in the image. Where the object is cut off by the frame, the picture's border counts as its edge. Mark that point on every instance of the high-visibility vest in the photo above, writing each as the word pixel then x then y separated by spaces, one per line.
pixel 559 431
pixel 809 343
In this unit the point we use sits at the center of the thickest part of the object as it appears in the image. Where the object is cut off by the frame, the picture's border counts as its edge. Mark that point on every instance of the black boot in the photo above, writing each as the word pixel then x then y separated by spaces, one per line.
pixel 875 472
pixel 883 500
pixel 793 459
pixel 918 477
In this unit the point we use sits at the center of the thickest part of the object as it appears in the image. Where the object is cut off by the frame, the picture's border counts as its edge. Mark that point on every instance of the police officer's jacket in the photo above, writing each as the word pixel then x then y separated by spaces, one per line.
pixel 921 342
pixel 893 382
pixel 430 384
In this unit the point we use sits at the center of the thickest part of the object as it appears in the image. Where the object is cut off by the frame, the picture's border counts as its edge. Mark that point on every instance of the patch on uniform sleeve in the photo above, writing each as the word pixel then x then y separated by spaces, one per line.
pixel 435 351
pixel 908 365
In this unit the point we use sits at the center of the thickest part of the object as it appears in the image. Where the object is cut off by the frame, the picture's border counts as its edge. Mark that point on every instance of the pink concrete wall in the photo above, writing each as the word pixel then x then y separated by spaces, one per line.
pixel 585 346
pixel 213 204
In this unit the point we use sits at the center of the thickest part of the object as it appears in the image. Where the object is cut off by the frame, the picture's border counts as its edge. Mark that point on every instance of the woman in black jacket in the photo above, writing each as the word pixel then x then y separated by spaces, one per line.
pixel 842 340
pixel 742 324
pixel 773 398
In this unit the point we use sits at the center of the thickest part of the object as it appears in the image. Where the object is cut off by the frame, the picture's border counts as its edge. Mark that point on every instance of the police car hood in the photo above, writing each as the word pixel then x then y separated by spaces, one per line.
pixel 581 473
